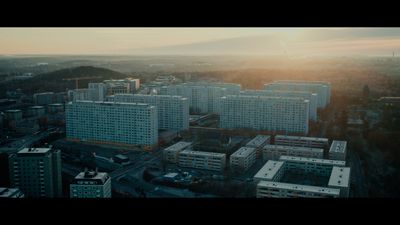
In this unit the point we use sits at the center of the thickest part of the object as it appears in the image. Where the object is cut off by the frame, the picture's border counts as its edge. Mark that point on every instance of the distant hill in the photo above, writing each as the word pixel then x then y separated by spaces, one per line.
pixel 54 81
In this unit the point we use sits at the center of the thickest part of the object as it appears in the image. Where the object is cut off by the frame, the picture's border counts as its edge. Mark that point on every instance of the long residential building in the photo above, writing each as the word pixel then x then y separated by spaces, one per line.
pixel 173 111
pixel 37 172
pixel 276 114
pixel 321 167
pixel 311 97
pixel 112 123
pixel 202 160
pixel 301 141
pixel 243 159
pixel 171 154
pixel 338 150
pixel 203 97
pixel 274 152
pixel 270 189
pixel 322 89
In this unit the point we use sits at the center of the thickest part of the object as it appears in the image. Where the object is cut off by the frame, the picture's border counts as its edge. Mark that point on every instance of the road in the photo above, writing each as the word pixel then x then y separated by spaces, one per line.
pixel 357 176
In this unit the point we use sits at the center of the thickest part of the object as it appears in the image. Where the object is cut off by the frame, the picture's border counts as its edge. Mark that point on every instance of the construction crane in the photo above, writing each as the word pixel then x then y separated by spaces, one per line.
pixel 76 79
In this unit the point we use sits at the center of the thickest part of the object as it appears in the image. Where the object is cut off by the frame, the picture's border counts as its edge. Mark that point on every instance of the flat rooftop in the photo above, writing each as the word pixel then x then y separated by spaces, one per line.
pixel 312 160
pixel 301 138
pixel 294 148
pixel 8 192
pixel 268 171
pixel 338 146
pixel 111 103
pixel 243 152
pixel 340 177
pixel 298 187
pixel 34 150
pixel 91 175
pixel 258 140
pixel 201 153
pixel 178 146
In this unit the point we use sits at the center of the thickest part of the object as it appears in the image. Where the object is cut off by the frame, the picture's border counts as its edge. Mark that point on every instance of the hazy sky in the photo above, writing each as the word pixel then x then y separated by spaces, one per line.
pixel 119 40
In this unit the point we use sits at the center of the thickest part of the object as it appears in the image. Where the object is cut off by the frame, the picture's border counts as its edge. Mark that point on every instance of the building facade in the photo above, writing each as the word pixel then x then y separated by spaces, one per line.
pixel 301 141
pixel 242 159
pixel 258 143
pixel 171 154
pixel 91 184
pixel 36 172
pixel 322 89
pixel 274 152
pixel 287 115
pixel 112 123
pixel 202 160
pixel 311 97
pixel 173 111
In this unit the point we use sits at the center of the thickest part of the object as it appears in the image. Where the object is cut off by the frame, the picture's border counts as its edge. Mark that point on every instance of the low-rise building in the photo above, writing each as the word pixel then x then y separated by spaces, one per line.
pixel 311 142
pixel 270 189
pixel 202 160
pixel 258 143
pixel 91 184
pixel 243 159
pixel 11 193
pixel 274 152
pixel 171 154
pixel 338 150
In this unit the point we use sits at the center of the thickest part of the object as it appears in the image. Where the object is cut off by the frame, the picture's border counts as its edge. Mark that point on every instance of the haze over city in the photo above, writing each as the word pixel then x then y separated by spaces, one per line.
pixel 200 41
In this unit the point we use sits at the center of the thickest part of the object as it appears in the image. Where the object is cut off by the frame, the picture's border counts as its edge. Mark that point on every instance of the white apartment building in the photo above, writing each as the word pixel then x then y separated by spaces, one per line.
pixel 271 171
pixel 97 91
pixel 301 141
pixel 321 167
pixel 79 94
pixel 203 97
pixel 340 178
pixel 112 123
pixel 270 189
pixel 173 111
pixel 289 115
pixel 311 97
pixel 338 150
pixel 243 159
pixel 258 143
pixel 171 154
pixel 274 152
pixel 202 160
pixel 269 178
pixel 91 184
pixel 322 89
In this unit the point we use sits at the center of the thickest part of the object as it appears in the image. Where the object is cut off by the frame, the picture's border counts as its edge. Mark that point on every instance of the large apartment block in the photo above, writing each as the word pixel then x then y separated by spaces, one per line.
pixel 287 115
pixel 91 184
pixel 36 172
pixel 300 141
pixel 112 123
pixel 171 154
pixel 274 152
pixel 202 160
pixel 173 111
pixel 243 159
pixel 311 97
pixel 322 89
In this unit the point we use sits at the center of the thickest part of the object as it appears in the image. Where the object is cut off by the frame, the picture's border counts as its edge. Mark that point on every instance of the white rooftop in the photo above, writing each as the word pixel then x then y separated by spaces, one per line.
pixel 171 175
pixel 338 146
pixel 294 148
pixel 201 153
pixel 258 140
pixel 298 187
pixel 243 152
pixel 34 150
pixel 340 177
pixel 268 171
pixel 312 160
pixel 178 146
pixel 301 138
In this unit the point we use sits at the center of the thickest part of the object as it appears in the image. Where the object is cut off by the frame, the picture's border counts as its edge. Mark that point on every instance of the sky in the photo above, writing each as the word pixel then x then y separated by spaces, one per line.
pixel 368 41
